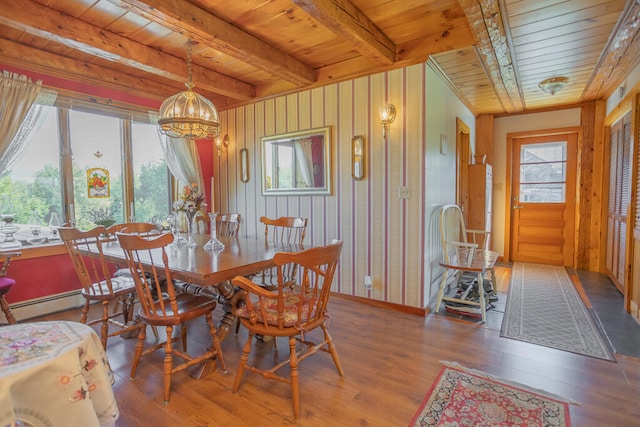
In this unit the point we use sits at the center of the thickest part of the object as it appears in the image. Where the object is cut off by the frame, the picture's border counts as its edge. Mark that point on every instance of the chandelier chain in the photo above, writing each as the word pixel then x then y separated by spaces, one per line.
pixel 189 75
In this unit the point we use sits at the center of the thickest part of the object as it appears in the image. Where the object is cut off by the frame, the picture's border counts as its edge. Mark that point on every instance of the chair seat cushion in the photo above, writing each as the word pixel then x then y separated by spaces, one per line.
pixel 290 312
pixel 6 283
pixel 121 284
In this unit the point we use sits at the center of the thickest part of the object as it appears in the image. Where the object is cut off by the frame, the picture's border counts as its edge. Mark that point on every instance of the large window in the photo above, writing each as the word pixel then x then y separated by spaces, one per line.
pixel 151 178
pixel 96 165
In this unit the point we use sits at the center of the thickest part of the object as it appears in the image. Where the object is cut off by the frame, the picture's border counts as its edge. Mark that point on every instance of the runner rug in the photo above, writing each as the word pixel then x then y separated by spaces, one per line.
pixel 466 397
pixel 544 308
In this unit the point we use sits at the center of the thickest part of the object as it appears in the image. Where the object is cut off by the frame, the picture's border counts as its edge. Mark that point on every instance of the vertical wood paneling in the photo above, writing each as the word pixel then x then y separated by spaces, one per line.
pixel 380 231
pixel 413 135
pixel 360 190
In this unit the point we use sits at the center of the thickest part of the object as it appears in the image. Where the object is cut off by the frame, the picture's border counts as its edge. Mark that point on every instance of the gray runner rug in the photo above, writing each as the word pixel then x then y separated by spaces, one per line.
pixel 544 308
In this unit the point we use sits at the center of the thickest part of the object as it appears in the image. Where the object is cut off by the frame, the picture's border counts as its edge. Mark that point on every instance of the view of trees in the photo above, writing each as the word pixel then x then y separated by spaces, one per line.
pixel 43 196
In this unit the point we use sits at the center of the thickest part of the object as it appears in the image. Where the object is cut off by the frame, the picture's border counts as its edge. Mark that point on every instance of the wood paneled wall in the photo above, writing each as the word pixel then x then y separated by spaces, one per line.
pixel 382 233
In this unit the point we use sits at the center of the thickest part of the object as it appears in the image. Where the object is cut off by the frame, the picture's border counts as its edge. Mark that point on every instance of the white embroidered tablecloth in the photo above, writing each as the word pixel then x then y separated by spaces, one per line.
pixel 55 374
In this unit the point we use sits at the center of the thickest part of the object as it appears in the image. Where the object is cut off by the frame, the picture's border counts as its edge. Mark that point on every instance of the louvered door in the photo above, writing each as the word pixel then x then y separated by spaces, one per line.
pixel 619 198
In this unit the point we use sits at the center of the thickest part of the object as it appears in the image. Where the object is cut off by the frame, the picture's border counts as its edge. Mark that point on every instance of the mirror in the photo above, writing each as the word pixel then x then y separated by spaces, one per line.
pixel 244 165
pixel 297 163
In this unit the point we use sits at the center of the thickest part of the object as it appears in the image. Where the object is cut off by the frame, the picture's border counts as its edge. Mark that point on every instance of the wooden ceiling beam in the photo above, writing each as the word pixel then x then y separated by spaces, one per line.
pixel 211 31
pixel 52 25
pixel 345 20
pixel 485 21
pixel 618 58
pixel 27 58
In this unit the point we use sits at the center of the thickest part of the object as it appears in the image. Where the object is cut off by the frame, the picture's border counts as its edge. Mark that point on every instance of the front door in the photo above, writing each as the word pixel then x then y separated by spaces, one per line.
pixel 543 199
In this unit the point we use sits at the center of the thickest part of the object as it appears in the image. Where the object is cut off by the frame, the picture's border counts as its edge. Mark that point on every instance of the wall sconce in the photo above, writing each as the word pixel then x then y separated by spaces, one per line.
pixel 357 157
pixel 222 145
pixel 553 85
pixel 387 116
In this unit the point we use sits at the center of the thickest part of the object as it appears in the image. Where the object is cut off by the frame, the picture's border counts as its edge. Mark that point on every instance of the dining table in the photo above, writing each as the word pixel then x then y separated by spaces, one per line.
pixel 54 373
pixel 214 269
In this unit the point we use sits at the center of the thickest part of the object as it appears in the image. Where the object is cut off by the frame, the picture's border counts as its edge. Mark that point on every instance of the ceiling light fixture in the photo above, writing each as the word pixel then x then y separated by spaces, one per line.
pixel 187 114
pixel 553 85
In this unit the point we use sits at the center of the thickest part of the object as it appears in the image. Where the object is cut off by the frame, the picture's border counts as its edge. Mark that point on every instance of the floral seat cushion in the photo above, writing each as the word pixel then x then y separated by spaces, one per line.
pixel 270 306
pixel 119 284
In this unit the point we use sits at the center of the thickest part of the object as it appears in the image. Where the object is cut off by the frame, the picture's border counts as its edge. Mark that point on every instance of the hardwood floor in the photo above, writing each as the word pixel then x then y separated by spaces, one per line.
pixel 390 361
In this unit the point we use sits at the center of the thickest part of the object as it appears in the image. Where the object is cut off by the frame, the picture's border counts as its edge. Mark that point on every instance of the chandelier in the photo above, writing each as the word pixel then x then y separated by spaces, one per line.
pixel 187 114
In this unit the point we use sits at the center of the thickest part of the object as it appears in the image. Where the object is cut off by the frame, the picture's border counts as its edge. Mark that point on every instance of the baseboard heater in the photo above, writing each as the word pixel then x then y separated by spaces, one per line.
pixel 46 305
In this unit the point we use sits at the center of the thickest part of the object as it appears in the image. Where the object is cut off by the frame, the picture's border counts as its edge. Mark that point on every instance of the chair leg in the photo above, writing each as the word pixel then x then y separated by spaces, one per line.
pixel 104 328
pixel 216 342
pixel 293 365
pixel 85 312
pixel 332 349
pixel 183 336
pixel 7 311
pixel 443 283
pixel 243 362
pixel 168 364
pixel 136 357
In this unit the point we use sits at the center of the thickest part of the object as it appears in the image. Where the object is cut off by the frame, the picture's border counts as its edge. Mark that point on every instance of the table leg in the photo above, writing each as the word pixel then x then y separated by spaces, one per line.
pixel 229 298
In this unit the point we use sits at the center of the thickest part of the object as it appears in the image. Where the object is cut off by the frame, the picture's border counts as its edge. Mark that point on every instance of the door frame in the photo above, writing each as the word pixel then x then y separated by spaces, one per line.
pixel 509 178
pixel 463 152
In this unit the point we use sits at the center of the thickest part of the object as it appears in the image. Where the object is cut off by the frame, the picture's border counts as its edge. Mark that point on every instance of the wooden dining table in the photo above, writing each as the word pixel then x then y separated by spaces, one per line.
pixel 197 266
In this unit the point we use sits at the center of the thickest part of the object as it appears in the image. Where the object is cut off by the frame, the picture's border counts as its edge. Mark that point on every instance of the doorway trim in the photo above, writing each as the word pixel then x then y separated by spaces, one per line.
pixel 509 178
pixel 463 152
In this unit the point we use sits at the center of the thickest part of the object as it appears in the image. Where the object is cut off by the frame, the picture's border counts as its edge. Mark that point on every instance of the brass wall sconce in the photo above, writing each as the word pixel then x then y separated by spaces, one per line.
pixel 357 157
pixel 223 144
pixel 387 116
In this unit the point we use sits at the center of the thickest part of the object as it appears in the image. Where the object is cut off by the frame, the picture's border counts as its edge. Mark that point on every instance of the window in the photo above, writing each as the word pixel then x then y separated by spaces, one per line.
pixel 35 186
pixel 151 178
pixel 95 143
pixel 543 172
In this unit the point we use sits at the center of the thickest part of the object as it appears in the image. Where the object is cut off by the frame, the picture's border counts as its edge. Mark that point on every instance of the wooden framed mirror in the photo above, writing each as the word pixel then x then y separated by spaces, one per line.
pixel 297 163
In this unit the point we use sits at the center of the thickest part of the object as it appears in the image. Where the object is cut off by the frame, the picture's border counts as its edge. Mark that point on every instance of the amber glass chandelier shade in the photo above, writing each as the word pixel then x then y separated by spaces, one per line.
pixel 187 114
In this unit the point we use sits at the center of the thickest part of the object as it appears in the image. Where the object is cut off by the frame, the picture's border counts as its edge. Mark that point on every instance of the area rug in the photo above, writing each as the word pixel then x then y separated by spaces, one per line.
pixel 466 397
pixel 544 308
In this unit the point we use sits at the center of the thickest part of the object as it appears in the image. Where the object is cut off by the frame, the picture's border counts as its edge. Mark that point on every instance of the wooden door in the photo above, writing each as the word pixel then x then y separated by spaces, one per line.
pixel 543 199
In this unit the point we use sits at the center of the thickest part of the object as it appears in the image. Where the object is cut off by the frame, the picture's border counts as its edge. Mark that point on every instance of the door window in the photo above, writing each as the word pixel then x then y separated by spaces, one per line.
pixel 543 172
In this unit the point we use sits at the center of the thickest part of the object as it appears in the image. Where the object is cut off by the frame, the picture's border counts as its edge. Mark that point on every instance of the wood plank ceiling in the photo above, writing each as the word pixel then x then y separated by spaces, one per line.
pixel 492 52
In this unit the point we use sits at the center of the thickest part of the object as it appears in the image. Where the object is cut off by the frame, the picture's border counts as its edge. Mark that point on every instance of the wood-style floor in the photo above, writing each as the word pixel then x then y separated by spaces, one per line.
pixel 390 361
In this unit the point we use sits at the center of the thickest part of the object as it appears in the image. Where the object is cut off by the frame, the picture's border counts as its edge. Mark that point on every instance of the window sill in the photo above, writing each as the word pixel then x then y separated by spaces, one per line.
pixel 37 251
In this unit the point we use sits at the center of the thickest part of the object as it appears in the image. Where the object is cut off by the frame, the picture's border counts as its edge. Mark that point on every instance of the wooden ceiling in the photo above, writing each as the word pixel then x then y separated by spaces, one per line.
pixel 493 52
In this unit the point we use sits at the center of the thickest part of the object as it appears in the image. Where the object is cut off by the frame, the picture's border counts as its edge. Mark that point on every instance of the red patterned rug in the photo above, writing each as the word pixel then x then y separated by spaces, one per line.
pixel 464 397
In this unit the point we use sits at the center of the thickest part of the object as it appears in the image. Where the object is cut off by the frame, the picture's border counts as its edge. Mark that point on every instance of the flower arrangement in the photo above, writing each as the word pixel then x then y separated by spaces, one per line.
pixel 190 200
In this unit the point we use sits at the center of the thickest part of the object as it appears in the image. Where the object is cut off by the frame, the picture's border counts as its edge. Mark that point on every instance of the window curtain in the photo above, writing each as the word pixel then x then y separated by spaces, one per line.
pixel 183 160
pixel 18 115
pixel 305 162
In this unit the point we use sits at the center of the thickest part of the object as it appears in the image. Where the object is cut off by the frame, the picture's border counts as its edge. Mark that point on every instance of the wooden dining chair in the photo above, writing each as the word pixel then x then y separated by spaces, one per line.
pixel 290 312
pixel 281 230
pixel 161 305
pixel 100 283
pixel 143 228
pixel 6 283
pixel 228 224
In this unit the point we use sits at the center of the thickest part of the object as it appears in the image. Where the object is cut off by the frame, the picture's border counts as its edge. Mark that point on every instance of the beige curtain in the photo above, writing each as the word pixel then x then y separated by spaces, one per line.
pixel 183 160
pixel 17 96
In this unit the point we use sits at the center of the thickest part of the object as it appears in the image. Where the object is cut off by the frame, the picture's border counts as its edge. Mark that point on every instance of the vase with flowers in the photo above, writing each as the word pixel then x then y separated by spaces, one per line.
pixel 189 202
